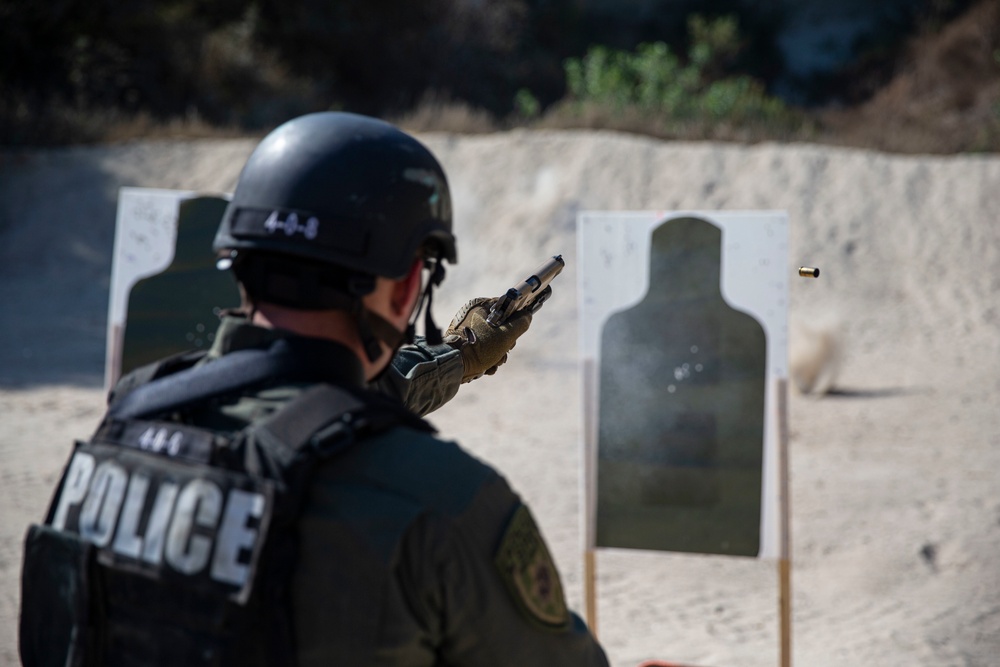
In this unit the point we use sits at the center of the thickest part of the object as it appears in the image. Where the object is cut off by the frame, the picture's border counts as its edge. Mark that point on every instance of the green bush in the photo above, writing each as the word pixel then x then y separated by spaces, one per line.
pixel 655 81
pixel 526 104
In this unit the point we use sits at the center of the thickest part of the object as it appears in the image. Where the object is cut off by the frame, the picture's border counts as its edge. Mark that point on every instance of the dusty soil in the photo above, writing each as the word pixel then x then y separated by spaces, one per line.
pixel 896 507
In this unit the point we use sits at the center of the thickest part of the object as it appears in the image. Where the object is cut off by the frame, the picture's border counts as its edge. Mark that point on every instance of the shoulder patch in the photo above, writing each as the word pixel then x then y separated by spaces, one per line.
pixel 530 574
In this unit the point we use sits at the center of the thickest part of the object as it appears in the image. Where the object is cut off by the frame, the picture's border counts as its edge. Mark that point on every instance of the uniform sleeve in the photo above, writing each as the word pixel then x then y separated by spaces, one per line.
pixel 424 377
pixel 497 591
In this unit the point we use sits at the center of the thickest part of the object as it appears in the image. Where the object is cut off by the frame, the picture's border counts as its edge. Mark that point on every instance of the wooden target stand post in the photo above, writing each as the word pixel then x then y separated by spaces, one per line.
pixel 681 312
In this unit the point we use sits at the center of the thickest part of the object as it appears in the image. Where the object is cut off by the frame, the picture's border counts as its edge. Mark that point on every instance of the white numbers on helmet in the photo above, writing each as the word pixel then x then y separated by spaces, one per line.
pixel 312 228
pixel 292 225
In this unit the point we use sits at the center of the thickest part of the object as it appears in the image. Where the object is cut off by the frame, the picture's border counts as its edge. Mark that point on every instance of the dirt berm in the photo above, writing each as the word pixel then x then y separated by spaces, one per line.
pixel 895 471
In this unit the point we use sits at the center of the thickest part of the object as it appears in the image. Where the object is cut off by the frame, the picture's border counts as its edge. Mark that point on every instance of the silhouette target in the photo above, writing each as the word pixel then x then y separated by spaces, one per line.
pixel 681 416
pixel 177 310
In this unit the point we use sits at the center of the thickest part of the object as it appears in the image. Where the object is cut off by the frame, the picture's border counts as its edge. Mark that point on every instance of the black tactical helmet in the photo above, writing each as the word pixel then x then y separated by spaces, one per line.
pixel 344 189
pixel 327 202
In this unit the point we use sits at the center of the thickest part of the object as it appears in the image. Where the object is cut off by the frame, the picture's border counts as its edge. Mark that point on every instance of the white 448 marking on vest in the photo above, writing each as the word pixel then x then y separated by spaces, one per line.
pixel 161 441
pixel 184 521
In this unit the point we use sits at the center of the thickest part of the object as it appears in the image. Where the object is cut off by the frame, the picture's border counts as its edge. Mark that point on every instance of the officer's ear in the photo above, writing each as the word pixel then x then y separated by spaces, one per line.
pixel 406 290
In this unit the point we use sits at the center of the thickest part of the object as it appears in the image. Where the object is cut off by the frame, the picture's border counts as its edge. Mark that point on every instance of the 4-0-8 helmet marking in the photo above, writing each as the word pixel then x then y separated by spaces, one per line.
pixel 291 225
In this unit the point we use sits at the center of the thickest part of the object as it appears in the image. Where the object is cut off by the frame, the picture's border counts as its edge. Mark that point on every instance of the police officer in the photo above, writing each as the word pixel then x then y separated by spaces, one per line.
pixel 369 540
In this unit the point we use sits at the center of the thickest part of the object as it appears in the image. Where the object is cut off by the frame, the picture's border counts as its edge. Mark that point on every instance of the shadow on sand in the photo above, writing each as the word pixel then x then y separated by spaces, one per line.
pixel 887 392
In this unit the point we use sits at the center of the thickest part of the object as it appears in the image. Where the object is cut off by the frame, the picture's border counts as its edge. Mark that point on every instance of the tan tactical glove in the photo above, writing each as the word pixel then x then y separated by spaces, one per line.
pixel 484 348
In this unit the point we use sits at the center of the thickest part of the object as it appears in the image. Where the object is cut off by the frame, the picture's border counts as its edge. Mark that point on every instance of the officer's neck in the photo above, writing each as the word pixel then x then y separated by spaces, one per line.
pixel 333 325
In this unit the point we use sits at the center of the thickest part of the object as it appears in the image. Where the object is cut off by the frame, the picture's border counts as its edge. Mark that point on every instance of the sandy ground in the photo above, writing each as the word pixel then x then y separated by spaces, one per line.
pixel 894 471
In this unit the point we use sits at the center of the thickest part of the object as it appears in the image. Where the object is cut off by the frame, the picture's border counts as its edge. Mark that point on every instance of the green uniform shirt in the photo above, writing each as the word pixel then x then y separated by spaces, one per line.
pixel 411 551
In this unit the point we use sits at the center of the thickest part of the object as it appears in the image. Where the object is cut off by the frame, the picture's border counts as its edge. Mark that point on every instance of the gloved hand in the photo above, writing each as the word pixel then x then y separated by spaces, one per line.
pixel 484 348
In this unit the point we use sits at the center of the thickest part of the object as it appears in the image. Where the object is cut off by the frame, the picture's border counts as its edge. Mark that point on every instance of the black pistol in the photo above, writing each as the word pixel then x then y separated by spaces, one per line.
pixel 530 293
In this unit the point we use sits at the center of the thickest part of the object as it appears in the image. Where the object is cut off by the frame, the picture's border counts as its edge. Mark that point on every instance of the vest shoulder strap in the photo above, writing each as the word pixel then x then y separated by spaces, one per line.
pixel 326 419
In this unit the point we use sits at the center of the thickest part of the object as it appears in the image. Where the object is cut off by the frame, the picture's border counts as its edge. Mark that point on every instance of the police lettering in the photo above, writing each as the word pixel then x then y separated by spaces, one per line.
pixel 192 526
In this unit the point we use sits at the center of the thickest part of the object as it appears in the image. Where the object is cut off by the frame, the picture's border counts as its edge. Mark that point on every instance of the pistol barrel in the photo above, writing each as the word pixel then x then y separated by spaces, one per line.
pixel 529 293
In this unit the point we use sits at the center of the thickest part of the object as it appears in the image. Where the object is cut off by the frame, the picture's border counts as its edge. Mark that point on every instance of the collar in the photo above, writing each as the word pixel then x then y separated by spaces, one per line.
pixel 333 362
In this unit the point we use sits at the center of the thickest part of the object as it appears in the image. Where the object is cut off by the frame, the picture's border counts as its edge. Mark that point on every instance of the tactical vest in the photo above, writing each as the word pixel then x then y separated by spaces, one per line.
pixel 166 544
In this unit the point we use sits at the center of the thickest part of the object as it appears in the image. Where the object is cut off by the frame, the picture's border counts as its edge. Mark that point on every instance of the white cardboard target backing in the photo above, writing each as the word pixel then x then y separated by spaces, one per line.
pixel 614 268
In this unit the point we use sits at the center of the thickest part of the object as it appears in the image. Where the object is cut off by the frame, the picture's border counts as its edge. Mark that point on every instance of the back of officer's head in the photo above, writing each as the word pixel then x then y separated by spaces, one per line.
pixel 329 201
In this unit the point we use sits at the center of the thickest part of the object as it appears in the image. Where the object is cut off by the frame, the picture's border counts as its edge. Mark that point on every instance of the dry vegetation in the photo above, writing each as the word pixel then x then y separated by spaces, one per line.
pixel 943 97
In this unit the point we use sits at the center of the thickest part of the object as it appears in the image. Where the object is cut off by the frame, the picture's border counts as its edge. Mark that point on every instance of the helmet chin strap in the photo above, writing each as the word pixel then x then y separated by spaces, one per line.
pixel 375 330
pixel 431 332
